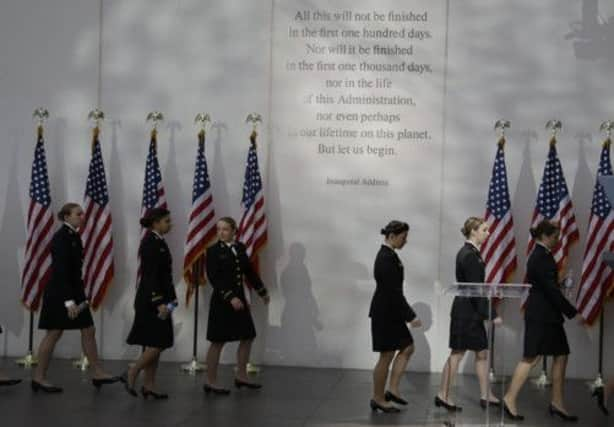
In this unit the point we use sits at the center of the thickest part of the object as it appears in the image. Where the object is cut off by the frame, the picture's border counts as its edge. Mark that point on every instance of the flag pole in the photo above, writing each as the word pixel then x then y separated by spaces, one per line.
pixel 500 125
pixel 40 115
pixel 599 380
pixel 542 381
pixel 29 360
pixel 254 119
pixel 197 272
pixel 606 127
pixel 96 116
pixel 194 365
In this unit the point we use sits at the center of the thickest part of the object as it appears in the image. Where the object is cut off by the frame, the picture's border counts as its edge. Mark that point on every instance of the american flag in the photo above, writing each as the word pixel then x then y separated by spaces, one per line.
pixel 37 260
pixel 597 279
pixel 153 190
pixel 96 230
pixel 253 225
pixel 201 227
pixel 554 203
pixel 499 249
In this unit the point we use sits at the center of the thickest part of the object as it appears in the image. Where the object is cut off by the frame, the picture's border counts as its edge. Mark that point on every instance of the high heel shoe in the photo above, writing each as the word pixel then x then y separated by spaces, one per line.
pixel 240 383
pixel 8 382
pixel 99 382
pixel 452 408
pixel 220 391
pixel 511 415
pixel 598 393
pixel 484 404
pixel 146 393
pixel 565 417
pixel 389 396
pixel 386 409
pixel 36 386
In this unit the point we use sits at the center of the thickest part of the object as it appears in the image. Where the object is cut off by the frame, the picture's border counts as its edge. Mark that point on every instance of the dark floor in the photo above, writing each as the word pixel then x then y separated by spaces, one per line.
pixel 290 397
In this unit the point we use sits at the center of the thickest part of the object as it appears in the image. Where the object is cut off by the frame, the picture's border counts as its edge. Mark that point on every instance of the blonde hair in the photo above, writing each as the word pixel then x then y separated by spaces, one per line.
pixel 471 223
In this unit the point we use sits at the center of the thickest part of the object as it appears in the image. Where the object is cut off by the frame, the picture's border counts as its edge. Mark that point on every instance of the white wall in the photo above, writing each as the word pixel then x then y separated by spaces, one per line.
pixel 505 59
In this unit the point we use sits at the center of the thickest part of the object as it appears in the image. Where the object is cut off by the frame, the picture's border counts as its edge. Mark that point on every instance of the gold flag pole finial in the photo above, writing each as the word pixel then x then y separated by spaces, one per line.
pixel 202 119
pixel 254 119
pixel 41 115
pixel 96 116
pixel 555 127
pixel 154 117
pixel 500 126
pixel 607 127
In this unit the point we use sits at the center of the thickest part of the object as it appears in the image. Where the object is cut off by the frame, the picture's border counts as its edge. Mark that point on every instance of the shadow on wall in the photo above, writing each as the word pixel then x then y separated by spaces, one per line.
pixel 593 36
pixel 421 359
pixel 300 318
pixel 12 235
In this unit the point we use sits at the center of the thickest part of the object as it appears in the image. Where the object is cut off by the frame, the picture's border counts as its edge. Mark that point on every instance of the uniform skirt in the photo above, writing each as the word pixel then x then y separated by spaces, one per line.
pixel 54 315
pixel 390 335
pixel 226 325
pixel 544 339
pixel 467 334
pixel 150 331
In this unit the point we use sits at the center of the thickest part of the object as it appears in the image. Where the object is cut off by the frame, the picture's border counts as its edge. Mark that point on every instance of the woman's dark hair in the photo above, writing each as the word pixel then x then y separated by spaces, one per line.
pixel 544 228
pixel 230 221
pixel 67 210
pixel 471 223
pixel 154 215
pixel 395 227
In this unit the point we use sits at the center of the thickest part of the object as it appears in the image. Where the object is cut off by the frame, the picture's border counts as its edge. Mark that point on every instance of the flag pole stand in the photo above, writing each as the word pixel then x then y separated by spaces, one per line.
pixel 82 363
pixel 599 380
pixel 29 360
pixel 194 366
pixel 542 380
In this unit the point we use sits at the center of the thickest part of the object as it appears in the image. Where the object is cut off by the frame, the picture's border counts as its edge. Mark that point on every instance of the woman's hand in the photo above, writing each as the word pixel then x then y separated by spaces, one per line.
pixel 73 311
pixel 163 311
pixel 416 323
pixel 237 304
pixel 498 321
pixel 266 299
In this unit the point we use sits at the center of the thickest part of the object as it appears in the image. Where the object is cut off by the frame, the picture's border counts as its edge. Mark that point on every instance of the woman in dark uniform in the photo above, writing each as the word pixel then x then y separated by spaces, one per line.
pixel 544 334
pixel 467 331
pixel 4 380
pixel 64 303
pixel 390 313
pixel 154 301
pixel 230 317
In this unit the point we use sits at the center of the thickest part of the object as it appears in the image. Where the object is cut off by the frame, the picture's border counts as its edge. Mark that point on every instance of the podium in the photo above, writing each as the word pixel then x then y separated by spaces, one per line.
pixel 490 291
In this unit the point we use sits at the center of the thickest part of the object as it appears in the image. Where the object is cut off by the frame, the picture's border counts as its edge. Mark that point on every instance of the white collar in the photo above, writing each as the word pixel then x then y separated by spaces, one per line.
pixel 388 245
pixel 157 234
pixel 472 244
pixel 542 245
pixel 70 227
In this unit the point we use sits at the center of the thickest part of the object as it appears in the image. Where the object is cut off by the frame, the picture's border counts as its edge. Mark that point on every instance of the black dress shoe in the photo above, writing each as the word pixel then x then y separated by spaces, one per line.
pixel 389 396
pixel 99 382
pixel 510 415
pixel 221 391
pixel 565 417
pixel 598 393
pixel 484 403
pixel 36 386
pixel 239 383
pixel 146 393
pixel 452 408
pixel 9 382
pixel 386 409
